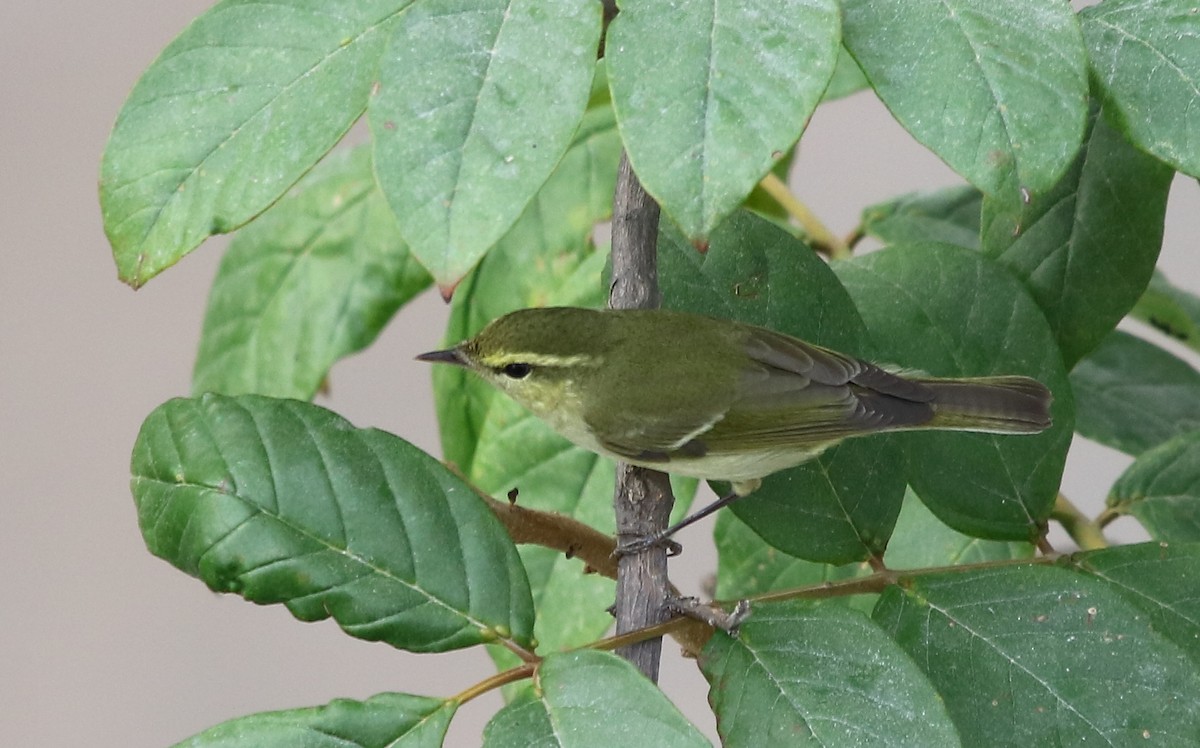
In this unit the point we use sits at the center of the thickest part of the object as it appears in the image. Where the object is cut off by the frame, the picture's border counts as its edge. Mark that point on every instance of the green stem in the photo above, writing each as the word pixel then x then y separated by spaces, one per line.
pixel 822 239
pixel 1085 532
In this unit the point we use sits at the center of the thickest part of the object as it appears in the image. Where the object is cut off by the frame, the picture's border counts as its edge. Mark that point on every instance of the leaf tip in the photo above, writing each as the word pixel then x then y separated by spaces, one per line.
pixel 135 278
pixel 447 290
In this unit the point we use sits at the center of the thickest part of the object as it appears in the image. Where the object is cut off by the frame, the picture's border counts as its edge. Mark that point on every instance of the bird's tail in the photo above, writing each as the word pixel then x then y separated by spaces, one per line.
pixel 999 405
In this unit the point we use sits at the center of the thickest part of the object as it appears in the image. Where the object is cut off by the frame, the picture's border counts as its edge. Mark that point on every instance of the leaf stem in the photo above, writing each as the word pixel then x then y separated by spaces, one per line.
pixel 512 675
pixel 1105 518
pixel 822 239
pixel 525 655
pixel 1085 532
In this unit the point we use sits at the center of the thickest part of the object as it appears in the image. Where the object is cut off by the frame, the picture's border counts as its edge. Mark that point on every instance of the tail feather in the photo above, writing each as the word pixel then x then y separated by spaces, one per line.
pixel 1001 405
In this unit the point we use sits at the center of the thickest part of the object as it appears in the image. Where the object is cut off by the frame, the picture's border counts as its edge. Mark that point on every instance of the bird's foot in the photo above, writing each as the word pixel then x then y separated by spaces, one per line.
pixel 717 617
pixel 645 543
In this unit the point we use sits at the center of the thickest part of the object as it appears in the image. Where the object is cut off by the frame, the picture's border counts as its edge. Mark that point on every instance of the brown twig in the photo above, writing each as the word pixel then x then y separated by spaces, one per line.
pixel 512 675
pixel 878 582
pixel 596 550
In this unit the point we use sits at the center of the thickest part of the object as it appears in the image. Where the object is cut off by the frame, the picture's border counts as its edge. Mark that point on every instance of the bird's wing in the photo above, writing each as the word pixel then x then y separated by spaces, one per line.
pixel 793 393
pixel 788 394
pixel 655 438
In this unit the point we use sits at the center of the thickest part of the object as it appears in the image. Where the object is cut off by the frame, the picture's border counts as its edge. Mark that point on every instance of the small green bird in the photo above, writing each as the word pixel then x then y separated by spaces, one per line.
pixel 717 399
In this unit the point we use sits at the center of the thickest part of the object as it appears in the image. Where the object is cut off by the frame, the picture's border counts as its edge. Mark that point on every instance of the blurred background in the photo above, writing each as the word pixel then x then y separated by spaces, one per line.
pixel 104 645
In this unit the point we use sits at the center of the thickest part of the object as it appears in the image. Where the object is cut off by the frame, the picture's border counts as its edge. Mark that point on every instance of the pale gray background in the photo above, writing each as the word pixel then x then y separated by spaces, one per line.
pixel 103 644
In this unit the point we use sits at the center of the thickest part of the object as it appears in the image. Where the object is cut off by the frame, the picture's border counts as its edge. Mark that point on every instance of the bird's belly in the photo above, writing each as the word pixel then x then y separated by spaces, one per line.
pixel 739 466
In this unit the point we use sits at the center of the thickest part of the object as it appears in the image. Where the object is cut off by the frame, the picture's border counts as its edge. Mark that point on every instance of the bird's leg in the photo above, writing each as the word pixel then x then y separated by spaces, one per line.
pixel 712 614
pixel 663 536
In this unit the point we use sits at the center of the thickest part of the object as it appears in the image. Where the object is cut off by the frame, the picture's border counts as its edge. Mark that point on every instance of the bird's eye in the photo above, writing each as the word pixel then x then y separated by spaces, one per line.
pixel 516 371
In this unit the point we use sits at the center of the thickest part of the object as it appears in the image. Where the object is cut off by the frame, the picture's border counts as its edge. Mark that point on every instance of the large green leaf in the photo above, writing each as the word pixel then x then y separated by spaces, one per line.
pixel 841 506
pixel 951 312
pixel 388 720
pixel 949 215
pixel 704 122
pixel 1132 395
pixel 825 676
pixel 1171 310
pixel 993 87
pixel 284 502
pixel 229 116
pixel 1159 578
pixel 1038 655
pixel 1162 489
pixel 329 249
pixel 1146 58
pixel 1085 249
pixel 477 101
pixel 591 699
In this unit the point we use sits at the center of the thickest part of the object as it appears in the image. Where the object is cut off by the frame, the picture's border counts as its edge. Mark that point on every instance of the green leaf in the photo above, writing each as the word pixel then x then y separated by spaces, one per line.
pixel 1170 310
pixel 1132 395
pixel 993 87
pixel 704 122
pixel 478 100
pixel 591 698
pixel 841 506
pixel 847 77
pixel 802 675
pixel 1146 57
pixel 1087 248
pixel 1159 578
pixel 949 215
pixel 329 248
pixel 952 313
pixel 284 502
pixel 1027 655
pixel 921 540
pixel 1162 490
pixel 388 720
pixel 229 116
pixel 748 566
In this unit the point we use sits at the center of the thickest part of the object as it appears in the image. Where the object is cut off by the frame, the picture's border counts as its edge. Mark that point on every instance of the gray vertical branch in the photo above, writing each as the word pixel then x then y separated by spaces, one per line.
pixel 643 497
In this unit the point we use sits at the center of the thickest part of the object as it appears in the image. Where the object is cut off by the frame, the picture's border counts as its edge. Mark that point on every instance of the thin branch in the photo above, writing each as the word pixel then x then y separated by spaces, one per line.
pixel 822 239
pixel 642 499
pixel 1082 530
pixel 878 582
pixel 559 532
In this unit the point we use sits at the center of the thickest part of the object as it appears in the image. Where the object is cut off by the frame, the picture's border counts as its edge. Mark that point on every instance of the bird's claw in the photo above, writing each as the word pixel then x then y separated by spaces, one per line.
pixel 645 543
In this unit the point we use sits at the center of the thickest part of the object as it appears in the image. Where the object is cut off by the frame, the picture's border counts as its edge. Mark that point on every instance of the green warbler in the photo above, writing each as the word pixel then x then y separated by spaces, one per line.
pixel 716 399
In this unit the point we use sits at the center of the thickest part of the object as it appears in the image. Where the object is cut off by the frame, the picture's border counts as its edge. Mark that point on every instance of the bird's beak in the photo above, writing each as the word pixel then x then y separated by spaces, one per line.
pixel 448 356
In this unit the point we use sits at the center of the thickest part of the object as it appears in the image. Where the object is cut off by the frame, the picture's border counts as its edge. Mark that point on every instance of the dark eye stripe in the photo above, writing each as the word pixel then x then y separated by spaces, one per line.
pixel 516 371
